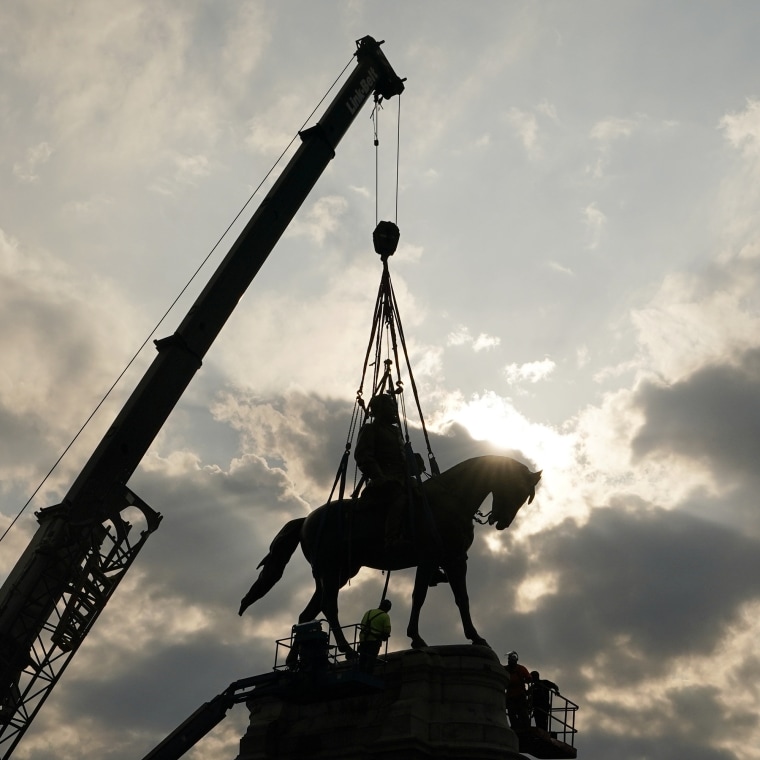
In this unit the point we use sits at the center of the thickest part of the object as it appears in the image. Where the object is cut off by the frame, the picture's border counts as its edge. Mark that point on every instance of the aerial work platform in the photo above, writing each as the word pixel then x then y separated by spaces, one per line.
pixel 433 703
pixel 556 740
pixel 545 744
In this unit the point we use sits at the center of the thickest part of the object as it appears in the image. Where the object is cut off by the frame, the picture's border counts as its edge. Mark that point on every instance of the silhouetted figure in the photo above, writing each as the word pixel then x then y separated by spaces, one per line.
pixel 374 629
pixel 310 647
pixel 540 692
pixel 517 695
pixel 380 457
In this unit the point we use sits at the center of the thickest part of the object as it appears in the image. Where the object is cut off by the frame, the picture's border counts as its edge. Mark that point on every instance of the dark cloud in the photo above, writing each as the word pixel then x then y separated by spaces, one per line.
pixel 163 673
pixel 665 582
pixel 713 416
pixel 595 745
pixel 217 526
pixel 133 708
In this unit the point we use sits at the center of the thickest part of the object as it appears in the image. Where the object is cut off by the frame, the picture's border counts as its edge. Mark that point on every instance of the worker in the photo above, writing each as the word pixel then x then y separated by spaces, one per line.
pixel 380 457
pixel 517 695
pixel 541 697
pixel 374 629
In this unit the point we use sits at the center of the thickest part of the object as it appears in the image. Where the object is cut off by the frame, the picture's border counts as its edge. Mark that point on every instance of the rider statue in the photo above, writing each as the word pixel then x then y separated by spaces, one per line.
pixel 380 457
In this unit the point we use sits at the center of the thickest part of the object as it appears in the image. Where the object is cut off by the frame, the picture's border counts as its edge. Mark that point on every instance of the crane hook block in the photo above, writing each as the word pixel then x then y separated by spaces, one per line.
pixel 385 238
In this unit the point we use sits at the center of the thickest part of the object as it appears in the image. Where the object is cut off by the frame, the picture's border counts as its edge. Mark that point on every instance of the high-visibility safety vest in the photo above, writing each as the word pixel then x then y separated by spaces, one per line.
pixel 375 626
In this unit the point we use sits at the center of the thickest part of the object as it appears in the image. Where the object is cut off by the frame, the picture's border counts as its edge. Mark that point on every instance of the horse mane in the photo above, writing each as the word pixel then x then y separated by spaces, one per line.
pixel 483 465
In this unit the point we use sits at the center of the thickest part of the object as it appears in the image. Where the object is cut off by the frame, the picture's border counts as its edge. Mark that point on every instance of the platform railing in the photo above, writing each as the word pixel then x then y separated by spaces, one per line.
pixel 561 718
pixel 286 655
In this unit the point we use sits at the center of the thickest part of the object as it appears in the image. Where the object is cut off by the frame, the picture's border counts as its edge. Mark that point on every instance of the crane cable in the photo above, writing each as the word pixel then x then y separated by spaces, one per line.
pixel 173 304
pixel 385 313
pixel 375 116
pixel 359 410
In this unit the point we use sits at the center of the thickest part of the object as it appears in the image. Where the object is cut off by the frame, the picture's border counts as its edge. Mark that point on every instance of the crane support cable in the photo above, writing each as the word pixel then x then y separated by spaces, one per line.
pixel 375 116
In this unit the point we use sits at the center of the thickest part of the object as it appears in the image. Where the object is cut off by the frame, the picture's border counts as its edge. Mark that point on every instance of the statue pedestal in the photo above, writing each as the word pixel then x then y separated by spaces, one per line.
pixel 444 702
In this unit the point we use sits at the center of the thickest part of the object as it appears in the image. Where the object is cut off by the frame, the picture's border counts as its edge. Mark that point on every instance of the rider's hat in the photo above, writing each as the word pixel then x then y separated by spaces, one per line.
pixel 382 405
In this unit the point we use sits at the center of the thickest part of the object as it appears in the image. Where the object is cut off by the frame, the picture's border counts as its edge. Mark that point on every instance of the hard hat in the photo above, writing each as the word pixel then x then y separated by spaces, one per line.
pixel 512 655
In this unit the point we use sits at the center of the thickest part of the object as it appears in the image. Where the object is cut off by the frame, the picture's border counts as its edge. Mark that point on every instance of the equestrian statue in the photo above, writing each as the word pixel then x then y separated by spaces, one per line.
pixel 341 537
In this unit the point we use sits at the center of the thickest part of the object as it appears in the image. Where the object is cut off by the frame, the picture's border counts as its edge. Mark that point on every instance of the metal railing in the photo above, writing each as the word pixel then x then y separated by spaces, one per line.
pixel 559 718
pixel 288 649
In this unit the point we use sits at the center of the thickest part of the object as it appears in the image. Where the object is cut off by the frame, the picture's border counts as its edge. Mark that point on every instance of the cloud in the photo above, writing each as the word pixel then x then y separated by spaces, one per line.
pixel 605 133
pixel 531 372
pixel 594 220
pixel 462 336
pixel 322 218
pixel 712 416
pixel 35 157
pixel 270 135
pixel 557 267
pixel 68 329
pixel 742 129
pixel 525 126
pixel 611 129
pixel 696 319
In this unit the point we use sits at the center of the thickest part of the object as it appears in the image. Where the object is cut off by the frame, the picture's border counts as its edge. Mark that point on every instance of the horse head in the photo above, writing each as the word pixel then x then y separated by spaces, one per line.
pixel 514 488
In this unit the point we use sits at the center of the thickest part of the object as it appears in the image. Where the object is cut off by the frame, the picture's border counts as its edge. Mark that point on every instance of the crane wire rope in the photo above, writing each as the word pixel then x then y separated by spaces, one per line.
pixel 387 306
pixel 172 305
pixel 359 406
pixel 375 116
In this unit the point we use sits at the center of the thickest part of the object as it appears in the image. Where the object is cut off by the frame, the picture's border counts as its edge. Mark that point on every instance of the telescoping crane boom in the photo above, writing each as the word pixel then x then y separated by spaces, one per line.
pixel 82 547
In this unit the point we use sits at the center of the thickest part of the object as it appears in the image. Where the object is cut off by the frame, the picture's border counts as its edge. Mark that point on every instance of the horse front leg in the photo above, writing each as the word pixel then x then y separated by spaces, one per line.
pixel 421 583
pixel 456 570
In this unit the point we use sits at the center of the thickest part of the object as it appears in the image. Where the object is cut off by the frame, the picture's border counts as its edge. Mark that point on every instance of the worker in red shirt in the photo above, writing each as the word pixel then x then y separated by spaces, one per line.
pixel 517 695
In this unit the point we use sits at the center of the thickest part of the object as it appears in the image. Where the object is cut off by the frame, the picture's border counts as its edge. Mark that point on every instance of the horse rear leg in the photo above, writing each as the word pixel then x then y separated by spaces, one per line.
pixel 312 609
pixel 456 570
pixel 330 585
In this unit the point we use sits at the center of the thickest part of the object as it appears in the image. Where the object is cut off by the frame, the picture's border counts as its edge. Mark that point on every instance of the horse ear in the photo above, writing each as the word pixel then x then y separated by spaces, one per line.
pixel 534 478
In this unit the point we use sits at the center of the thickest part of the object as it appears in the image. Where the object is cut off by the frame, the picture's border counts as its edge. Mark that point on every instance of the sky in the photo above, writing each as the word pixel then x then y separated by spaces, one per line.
pixel 578 283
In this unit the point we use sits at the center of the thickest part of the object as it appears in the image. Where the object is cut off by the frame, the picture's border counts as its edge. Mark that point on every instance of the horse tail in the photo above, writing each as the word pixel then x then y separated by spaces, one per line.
pixel 273 565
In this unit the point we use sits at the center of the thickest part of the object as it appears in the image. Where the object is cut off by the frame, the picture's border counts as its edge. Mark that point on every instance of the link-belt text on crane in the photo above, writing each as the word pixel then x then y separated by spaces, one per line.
pixel 354 103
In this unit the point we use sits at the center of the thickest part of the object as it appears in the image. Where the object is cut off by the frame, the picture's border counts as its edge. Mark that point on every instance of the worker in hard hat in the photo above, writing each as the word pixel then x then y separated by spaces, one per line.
pixel 517 695
pixel 374 629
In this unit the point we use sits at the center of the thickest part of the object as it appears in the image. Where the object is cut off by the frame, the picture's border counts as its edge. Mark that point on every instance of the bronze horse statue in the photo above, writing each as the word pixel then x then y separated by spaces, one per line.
pixel 340 537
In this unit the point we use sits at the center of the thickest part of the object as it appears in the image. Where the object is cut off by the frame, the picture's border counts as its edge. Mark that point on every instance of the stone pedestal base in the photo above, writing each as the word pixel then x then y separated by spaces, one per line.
pixel 442 703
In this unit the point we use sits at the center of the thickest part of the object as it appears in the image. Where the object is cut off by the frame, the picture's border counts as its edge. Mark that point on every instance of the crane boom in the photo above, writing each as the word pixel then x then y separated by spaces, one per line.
pixel 83 547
